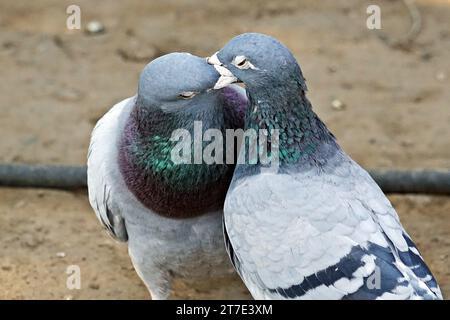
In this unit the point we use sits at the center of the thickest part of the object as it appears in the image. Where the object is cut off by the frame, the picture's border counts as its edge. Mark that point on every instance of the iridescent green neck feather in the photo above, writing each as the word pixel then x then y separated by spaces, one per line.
pixel 302 135
pixel 165 187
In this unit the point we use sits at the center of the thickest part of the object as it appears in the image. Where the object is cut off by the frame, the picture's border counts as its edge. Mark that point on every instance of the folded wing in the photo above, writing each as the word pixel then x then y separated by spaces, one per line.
pixel 103 173
pixel 322 234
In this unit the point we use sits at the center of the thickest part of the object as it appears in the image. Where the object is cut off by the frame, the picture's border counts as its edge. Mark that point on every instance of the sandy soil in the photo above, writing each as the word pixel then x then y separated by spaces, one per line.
pixel 57 83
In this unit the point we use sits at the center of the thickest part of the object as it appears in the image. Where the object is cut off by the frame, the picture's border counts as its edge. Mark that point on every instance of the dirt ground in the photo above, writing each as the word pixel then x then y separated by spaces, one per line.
pixel 56 83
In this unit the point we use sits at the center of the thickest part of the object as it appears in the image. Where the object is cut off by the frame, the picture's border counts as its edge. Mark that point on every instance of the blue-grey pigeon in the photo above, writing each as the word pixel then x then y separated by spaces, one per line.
pixel 169 212
pixel 316 225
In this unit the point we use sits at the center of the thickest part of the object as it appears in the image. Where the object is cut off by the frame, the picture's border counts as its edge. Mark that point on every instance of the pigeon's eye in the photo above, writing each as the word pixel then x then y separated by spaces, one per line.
pixel 242 63
pixel 187 94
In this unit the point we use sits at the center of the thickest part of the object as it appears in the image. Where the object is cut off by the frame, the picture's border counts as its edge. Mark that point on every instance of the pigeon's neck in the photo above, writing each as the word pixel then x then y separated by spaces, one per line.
pixel 167 188
pixel 303 138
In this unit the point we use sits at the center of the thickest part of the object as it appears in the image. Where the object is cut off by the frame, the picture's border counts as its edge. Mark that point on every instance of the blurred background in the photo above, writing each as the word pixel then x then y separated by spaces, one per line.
pixel 384 94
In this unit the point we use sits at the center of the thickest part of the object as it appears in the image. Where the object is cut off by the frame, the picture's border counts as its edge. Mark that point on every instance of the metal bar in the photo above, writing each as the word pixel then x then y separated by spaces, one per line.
pixel 43 176
pixel 74 177
pixel 417 181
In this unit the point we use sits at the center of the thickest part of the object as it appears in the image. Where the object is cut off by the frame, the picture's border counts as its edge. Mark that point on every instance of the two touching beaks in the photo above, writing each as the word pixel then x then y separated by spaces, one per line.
pixel 226 77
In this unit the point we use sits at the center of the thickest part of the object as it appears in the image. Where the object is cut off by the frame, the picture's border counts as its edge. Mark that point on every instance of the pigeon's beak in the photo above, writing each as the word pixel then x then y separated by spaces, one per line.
pixel 226 77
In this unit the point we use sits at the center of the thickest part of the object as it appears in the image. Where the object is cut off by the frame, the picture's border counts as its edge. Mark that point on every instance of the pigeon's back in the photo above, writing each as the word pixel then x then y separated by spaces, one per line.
pixel 322 233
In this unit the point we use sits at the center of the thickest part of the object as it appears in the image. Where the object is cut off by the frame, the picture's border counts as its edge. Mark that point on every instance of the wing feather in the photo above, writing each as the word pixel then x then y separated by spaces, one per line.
pixel 320 234
pixel 103 169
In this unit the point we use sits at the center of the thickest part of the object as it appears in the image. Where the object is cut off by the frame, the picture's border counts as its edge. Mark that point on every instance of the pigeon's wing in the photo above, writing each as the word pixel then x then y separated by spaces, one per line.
pixel 229 248
pixel 406 252
pixel 320 234
pixel 103 170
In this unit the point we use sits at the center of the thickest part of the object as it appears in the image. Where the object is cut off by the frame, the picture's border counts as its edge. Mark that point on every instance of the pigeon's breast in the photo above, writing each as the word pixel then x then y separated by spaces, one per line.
pixel 176 191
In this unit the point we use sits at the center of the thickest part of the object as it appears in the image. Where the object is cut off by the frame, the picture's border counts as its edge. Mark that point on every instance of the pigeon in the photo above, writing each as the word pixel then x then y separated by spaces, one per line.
pixel 311 224
pixel 169 212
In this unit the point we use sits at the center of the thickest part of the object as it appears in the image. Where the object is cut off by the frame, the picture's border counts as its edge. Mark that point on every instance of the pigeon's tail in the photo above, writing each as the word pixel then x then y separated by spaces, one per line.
pixel 421 277
pixel 416 276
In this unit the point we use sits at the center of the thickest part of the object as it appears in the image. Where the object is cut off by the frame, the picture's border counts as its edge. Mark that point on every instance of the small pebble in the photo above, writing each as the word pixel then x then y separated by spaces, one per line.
pixel 346 85
pixel 95 27
pixel 135 51
pixel 68 94
pixel 337 104
pixel 94 286
pixel 331 69
pixel 6 268
pixel 31 241
pixel 60 254
pixel 426 56
pixel 441 76
pixel 19 204
pixel 406 143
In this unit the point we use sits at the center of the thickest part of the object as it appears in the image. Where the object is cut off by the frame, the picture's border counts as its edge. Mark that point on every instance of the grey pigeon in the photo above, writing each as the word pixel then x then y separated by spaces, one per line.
pixel 169 213
pixel 316 226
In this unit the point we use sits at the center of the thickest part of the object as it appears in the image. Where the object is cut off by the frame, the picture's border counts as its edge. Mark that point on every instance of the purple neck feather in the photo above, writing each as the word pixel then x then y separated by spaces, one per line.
pixel 171 197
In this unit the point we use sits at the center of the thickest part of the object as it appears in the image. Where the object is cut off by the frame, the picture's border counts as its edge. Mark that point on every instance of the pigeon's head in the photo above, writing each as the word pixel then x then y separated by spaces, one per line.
pixel 257 60
pixel 177 81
